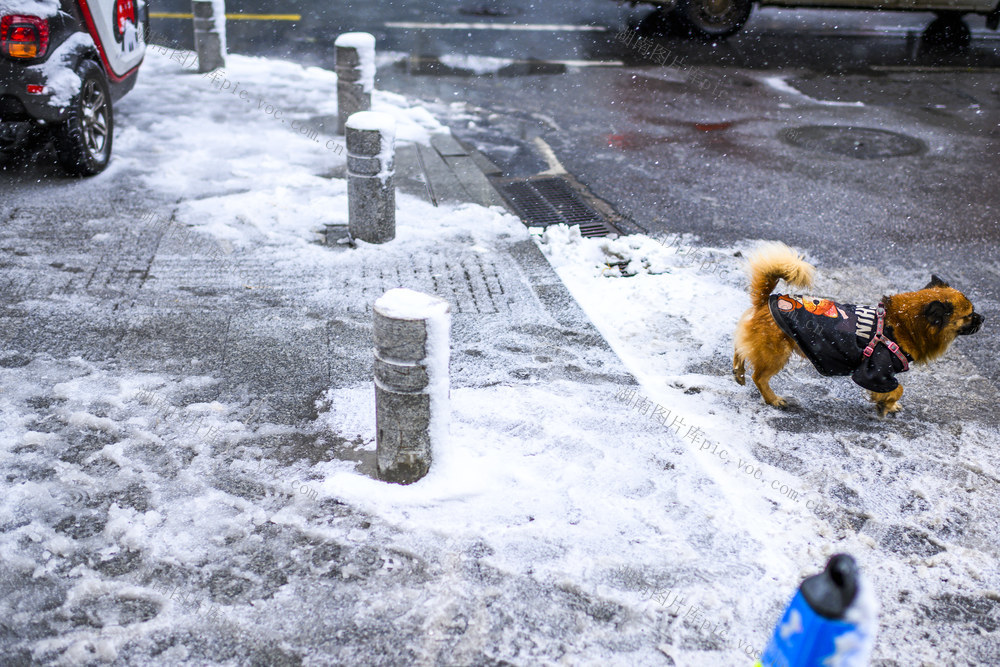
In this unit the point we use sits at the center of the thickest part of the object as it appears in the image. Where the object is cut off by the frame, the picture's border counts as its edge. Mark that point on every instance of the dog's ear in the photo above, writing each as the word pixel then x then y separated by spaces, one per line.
pixel 938 312
pixel 936 282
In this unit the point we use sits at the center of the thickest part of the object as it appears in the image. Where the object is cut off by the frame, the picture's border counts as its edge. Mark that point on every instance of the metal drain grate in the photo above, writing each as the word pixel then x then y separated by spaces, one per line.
pixel 551 201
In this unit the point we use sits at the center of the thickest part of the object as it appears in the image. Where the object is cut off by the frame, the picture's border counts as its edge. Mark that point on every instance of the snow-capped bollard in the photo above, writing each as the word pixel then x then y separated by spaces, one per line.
pixel 354 62
pixel 831 620
pixel 371 193
pixel 411 382
pixel 209 33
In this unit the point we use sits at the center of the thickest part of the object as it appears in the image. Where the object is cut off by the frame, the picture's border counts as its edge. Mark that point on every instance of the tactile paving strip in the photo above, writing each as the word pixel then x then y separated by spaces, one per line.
pixel 467 282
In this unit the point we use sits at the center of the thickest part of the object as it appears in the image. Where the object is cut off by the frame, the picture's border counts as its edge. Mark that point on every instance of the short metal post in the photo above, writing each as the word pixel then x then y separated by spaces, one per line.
pixel 354 62
pixel 371 192
pixel 411 331
pixel 209 33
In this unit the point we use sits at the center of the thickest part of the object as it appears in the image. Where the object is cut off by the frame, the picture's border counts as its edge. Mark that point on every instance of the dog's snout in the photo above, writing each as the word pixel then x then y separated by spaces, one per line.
pixel 973 326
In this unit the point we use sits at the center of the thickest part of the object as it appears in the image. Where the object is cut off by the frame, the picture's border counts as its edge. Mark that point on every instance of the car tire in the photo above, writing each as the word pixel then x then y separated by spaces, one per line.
pixel 713 19
pixel 83 141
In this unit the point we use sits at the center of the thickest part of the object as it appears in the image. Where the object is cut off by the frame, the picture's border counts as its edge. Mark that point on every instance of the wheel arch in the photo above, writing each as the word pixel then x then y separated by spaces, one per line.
pixel 80 52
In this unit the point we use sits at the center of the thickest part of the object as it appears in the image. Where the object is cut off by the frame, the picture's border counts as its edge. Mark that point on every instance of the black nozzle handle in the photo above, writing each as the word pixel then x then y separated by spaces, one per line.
pixel 831 592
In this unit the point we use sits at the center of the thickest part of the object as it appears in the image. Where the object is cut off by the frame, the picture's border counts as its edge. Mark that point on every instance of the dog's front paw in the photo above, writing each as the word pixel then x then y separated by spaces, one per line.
pixel 888 409
pixel 778 402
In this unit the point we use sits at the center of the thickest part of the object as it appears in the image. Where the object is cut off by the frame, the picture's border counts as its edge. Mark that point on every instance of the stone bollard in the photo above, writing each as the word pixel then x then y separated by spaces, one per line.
pixel 411 382
pixel 371 193
pixel 209 33
pixel 354 62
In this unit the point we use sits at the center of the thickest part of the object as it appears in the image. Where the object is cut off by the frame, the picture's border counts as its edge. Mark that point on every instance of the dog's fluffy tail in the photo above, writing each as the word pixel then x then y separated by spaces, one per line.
pixel 772 262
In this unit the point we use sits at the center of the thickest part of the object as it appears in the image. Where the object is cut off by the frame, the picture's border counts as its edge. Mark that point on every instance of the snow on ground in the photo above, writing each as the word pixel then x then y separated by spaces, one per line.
pixel 478 65
pixel 562 522
pixel 279 110
pixel 781 85
pixel 828 474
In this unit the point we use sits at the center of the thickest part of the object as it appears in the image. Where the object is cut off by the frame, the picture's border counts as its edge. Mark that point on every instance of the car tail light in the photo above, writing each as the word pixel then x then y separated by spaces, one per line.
pixel 23 36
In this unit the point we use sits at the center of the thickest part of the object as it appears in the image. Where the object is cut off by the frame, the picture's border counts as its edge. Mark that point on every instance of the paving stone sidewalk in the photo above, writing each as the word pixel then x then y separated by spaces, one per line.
pixel 160 298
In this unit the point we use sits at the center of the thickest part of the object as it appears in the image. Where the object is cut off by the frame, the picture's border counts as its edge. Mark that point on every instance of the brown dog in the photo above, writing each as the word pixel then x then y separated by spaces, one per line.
pixel 869 343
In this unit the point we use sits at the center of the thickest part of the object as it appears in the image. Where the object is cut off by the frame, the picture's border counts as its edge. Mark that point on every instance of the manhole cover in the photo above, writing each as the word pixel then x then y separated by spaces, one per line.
pixel 864 143
pixel 551 201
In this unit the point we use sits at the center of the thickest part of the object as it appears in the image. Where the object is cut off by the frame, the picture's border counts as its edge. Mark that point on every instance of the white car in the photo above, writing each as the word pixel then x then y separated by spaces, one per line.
pixel 62 64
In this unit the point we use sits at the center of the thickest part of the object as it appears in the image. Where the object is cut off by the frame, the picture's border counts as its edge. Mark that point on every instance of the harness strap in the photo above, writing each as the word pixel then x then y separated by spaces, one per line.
pixel 880 337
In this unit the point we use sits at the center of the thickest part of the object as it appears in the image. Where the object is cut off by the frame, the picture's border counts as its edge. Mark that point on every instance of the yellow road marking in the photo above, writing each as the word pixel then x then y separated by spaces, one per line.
pixel 231 17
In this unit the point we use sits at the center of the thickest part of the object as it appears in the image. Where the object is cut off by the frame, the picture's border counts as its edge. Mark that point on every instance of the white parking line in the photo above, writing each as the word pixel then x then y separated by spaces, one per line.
pixel 934 69
pixel 575 63
pixel 497 26
pixel 507 62
pixel 892 31
pixel 555 166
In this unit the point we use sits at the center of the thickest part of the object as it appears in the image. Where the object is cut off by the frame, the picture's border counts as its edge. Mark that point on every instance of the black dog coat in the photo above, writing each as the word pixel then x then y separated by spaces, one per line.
pixel 841 339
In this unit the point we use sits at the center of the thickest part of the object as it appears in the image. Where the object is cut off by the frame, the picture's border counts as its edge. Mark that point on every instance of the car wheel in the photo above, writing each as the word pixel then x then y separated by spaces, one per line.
pixel 713 19
pixel 83 141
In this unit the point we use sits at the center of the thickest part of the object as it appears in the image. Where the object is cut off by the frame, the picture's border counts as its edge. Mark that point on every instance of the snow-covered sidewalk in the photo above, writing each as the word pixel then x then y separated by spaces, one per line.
pixel 909 497
pixel 187 430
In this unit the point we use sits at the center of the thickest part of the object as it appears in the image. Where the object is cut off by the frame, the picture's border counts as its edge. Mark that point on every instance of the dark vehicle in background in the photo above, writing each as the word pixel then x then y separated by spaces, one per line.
pixel 62 64
pixel 721 18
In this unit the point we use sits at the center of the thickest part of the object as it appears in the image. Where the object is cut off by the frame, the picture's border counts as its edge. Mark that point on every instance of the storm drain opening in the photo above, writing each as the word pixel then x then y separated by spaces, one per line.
pixel 863 143
pixel 551 201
